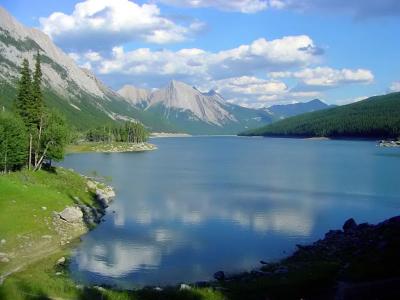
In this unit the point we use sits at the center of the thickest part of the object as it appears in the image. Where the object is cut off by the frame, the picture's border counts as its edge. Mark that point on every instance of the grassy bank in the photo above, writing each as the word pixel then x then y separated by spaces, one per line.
pixel 109 147
pixel 33 245
pixel 46 280
pixel 27 202
pixel 345 262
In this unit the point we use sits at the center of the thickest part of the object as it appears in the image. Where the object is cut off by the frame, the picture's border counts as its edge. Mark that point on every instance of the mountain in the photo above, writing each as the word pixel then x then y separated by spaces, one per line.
pixel 84 99
pixel 187 109
pixel 135 96
pixel 87 102
pixel 375 117
pixel 290 110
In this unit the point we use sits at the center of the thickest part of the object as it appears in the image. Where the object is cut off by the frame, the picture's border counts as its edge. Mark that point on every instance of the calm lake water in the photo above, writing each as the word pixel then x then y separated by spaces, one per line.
pixel 202 204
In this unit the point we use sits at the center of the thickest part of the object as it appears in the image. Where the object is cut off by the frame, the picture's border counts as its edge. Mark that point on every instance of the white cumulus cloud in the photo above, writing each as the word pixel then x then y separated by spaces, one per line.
pixel 101 24
pixel 327 77
pixel 260 55
pixel 357 8
pixel 244 6
pixel 395 87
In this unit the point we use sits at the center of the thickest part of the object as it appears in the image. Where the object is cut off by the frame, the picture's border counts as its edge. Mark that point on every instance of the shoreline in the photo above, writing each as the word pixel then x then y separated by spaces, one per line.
pixel 327 266
pixel 168 135
pixel 67 227
pixel 97 147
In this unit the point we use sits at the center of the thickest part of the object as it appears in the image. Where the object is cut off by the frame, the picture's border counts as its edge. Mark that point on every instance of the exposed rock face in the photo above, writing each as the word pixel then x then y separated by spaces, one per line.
pixel 208 107
pixel 61 74
pixel 178 95
pixel 59 81
pixel 135 96
pixel 71 214
pixel 350 224
pixel 105 196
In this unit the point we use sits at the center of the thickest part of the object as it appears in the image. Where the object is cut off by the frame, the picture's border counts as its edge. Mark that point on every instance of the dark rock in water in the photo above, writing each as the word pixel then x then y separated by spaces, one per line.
pixel 263 262
pixel 220 276
pixel 363 226
pixel 395 221
pixel 350 224
pixel 281 270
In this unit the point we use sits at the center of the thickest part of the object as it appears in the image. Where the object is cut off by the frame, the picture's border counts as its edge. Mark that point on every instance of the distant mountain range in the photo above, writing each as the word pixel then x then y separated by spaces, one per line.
pixel 375 117
pixel 290 110
pixel 187 109
pixel 87 102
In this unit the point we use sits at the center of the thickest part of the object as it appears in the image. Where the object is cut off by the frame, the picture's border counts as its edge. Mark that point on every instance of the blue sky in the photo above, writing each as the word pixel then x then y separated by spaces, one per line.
pixel 254 52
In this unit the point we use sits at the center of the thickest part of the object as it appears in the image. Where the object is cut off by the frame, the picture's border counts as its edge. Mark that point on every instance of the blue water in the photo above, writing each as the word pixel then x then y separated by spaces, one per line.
pixel 202 204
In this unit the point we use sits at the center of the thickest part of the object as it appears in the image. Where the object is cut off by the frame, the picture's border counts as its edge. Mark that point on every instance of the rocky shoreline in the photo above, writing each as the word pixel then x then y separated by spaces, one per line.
pixel 67 226
pixel 389 143
pixel 361 261
pixel 86 147
pixel 76 220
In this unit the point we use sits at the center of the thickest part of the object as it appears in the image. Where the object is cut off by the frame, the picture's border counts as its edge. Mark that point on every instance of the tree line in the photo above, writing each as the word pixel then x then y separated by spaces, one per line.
pixel 31 134
pixel 375 117
pixel 129 132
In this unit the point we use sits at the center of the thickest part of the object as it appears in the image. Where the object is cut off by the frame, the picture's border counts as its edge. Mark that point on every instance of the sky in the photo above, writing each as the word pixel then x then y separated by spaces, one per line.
pixel 255 53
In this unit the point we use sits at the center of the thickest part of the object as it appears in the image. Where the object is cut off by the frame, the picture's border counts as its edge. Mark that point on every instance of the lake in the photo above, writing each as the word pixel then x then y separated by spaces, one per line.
pixel 202 204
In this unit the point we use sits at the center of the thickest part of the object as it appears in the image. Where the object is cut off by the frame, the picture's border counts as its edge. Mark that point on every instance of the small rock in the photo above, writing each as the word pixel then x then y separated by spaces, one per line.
pixel 281 270
pixel 220 275
pixel 58 273
pixel 3 241
pixel 47 237
pixel 44 208
pixel 5 260
pixel 350 224
pixel 91 185
pixel 184 287
pixel 61 261
pixel 158 289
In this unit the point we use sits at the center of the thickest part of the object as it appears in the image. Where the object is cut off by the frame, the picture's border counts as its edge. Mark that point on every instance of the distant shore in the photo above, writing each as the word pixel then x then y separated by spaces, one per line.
pixel 389 143
pixel 167 135
pixel 110 147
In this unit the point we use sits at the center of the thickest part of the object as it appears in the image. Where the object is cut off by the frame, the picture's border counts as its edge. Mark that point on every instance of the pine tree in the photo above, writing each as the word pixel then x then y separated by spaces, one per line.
pixel 54 139
pixel 24 96
pixel 13 143
pixel 37 111
pixel 37 96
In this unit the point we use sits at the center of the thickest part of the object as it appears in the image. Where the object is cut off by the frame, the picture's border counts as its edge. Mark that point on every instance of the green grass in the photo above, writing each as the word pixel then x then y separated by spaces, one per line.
pixel 39 281
pixel 27 202
pixel 23 224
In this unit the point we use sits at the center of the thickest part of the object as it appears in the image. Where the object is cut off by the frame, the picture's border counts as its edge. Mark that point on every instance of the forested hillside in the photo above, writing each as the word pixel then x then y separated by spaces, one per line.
pixel 375 117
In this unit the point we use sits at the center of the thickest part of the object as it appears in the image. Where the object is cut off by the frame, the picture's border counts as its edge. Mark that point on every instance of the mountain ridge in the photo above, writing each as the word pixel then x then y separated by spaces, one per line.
pixel 88 102
pixel 374 117
pixel 289 110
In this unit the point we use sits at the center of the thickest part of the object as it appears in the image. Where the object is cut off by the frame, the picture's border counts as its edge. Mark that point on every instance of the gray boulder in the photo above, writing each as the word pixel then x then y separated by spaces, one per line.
pixel 105 196
pixel 71 214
